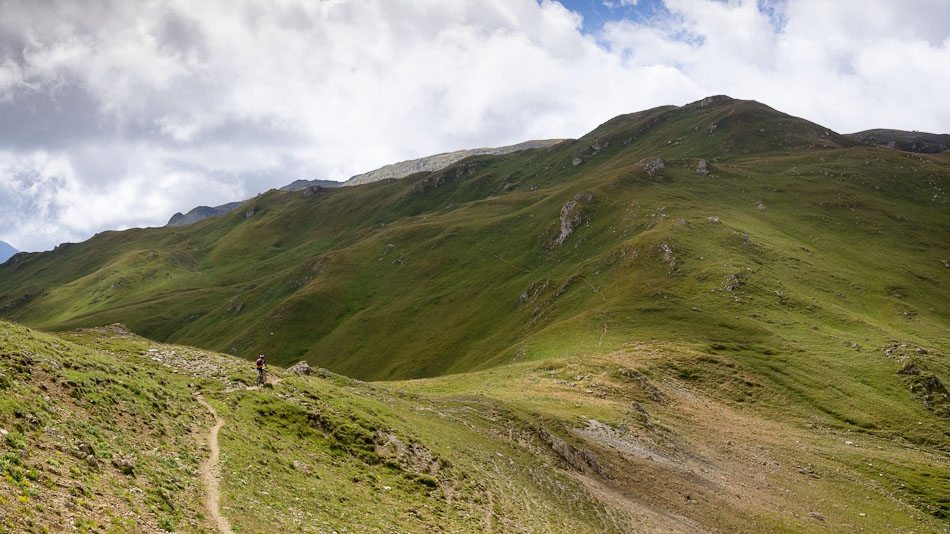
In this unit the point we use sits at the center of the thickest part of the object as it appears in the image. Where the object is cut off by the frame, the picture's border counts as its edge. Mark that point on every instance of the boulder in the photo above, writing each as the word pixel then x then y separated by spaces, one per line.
pixel 701 168
pixel 301 368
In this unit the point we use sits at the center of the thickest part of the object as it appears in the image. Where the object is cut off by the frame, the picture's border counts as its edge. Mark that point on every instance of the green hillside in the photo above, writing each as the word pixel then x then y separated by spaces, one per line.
pixel 922 142
pixel 723 222
pixel 104 431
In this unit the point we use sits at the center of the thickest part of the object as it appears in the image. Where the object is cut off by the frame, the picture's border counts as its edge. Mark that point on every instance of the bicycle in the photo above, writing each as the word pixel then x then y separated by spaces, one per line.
pixel 261 379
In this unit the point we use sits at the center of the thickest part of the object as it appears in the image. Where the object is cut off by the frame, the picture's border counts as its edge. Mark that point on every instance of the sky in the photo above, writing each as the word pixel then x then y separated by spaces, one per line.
pixel 119 113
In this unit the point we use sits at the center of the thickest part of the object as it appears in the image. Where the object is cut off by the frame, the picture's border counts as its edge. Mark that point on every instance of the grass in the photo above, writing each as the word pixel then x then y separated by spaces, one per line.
pixel 655 434
pixel 93 433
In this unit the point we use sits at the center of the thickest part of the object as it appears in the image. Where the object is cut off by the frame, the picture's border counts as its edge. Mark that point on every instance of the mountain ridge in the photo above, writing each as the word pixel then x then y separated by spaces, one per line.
pixel 915 141
pixel 440 161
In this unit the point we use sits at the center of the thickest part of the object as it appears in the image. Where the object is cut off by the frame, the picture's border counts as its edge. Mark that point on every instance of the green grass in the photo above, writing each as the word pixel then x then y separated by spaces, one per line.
pixel 73 409
pixel 655 434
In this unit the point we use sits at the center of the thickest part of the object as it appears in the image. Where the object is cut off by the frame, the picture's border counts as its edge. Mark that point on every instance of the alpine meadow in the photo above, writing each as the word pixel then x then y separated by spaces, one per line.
pixel 715 317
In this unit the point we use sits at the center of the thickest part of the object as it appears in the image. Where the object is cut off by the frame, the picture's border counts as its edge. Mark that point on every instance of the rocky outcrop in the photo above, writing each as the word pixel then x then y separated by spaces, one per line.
pixel 301 368
pixel 572 216
pixel 651 166
pixel 701 168
pixel 580 459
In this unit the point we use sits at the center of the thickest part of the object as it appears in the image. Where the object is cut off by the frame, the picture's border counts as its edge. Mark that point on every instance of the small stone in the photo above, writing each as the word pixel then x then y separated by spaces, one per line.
pixel 817 516
pixel 86 449
pixel 302 467
pixel 124 464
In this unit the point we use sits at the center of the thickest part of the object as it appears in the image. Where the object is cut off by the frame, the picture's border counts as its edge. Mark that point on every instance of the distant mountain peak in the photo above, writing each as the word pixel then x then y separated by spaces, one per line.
pixel 441 161
pixel 6 250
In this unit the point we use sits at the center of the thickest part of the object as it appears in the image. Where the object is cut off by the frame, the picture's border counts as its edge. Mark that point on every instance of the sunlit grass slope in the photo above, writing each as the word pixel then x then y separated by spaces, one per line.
pixel 104 433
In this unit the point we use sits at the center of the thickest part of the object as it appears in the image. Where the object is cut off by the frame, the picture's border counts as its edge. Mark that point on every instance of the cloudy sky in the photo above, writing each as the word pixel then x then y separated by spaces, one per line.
pixel 118 113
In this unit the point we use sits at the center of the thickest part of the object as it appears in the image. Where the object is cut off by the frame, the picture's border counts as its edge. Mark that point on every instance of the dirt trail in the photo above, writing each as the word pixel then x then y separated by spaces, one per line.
pixel 210 470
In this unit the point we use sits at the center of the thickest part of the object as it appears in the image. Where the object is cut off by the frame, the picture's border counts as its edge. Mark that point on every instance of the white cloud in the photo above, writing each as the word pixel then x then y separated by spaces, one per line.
pixel 118 113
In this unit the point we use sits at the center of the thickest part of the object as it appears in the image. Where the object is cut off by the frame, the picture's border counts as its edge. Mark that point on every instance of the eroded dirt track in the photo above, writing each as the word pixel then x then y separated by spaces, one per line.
pixel 210 470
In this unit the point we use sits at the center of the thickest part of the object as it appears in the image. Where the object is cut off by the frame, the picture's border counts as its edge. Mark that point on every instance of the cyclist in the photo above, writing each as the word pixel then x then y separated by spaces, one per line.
pixel 260 369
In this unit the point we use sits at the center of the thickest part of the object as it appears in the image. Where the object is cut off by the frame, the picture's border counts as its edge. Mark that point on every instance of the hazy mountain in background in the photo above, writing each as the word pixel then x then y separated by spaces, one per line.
pixel 395 170
pixel 440 161
pixel 203 212
pixel 6 251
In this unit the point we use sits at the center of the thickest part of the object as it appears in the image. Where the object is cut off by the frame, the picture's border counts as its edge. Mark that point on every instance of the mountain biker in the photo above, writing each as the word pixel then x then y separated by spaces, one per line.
pixel 260 368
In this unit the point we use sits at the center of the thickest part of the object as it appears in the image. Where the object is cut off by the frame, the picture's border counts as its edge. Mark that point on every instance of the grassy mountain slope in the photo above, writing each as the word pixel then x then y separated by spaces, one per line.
pixel 760 230
pixel 104 433
pixel 923 142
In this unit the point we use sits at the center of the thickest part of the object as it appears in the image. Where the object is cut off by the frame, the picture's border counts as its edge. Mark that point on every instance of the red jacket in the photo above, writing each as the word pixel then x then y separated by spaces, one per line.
pixel 260 363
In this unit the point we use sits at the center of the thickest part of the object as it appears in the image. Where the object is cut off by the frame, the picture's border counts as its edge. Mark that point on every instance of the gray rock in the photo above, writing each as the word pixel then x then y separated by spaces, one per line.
pixel 653 165
pixel 701 168
pixel 301 368
pixel 580 459
pixel 302 467
pixel 124 464
pixel 571 216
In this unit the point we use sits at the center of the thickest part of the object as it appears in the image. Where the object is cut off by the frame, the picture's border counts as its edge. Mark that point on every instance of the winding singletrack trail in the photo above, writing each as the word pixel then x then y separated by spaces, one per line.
pixel 210 470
